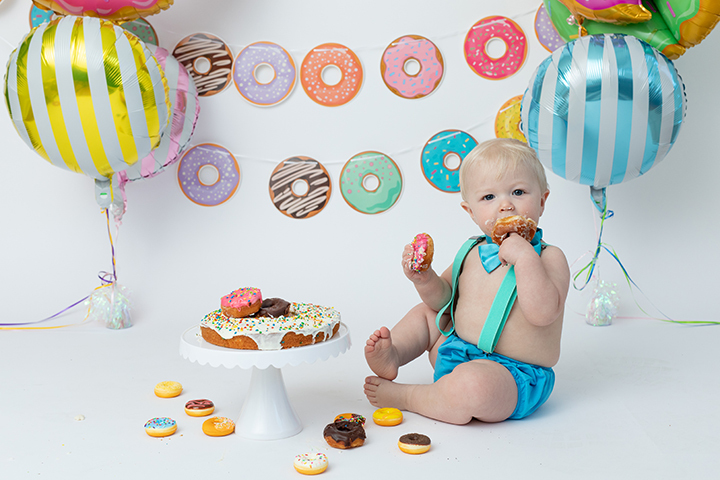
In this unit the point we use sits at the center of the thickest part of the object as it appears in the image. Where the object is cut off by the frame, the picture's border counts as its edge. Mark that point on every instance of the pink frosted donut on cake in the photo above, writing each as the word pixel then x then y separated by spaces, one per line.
pixel 241 302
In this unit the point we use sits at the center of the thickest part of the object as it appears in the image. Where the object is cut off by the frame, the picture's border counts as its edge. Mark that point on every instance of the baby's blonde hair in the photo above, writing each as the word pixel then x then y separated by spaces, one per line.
pixel 503 155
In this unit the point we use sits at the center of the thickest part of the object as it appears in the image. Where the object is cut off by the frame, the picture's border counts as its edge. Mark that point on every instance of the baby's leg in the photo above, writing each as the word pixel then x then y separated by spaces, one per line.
pixel 480 389
pixel 387 350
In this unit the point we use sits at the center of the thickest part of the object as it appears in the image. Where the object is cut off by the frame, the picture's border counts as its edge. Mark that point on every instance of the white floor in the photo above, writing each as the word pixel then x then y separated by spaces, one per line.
pixel 637 399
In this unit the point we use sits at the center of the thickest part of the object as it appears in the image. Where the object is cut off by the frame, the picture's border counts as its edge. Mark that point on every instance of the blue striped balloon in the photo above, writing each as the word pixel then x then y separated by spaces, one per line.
pixel 603 109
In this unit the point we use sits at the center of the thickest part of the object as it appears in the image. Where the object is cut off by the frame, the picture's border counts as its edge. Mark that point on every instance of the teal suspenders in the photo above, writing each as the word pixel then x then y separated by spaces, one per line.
pixel 501 306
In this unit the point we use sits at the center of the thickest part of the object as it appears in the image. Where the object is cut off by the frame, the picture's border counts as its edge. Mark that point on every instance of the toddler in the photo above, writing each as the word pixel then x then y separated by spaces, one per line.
pixel 517 290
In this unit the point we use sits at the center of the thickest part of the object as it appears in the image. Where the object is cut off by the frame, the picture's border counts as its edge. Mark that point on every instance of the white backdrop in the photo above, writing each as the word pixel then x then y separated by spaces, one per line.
pixel 178 258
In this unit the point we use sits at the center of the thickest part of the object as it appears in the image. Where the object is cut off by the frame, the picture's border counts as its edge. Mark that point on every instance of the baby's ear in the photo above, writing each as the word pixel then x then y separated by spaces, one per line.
pixel 543 199
pixel 466 207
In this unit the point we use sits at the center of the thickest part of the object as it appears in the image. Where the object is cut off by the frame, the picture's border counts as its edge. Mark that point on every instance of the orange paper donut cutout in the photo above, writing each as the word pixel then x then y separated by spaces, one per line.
pixel 323 56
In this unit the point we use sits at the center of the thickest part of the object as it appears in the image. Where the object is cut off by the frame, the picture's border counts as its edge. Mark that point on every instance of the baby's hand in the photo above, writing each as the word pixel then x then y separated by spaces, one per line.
pixel 513 248
pixel 412 275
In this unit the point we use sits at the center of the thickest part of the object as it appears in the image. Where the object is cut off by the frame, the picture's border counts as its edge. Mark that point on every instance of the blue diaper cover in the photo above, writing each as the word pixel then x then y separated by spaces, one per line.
pixel 534 383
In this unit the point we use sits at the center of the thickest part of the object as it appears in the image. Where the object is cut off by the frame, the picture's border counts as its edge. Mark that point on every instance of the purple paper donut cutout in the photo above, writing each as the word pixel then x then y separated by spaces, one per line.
pixel 213 156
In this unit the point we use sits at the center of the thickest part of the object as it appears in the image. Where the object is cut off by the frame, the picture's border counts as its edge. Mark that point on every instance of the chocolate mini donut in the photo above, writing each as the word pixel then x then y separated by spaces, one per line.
pixel 414 443
pixel 273 307
pixel 199 408
pixel 216 52
pixel 302 169
pixel 344 434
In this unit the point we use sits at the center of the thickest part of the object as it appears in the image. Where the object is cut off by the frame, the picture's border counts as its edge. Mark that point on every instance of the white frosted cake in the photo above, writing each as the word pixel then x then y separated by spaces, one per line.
pixel 303 324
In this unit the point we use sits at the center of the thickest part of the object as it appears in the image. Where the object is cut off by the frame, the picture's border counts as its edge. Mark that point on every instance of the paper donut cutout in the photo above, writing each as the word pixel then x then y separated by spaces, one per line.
pixel 283 182
pixel 481 34
pixel 205 47
pixel 270 55
pixel 40 15
pixel 323 56
pixel 507 120
pixel 395 62
pixel 546 32
pixel 386 173
pixel 435 153
pixel 142 29
pixel 213 156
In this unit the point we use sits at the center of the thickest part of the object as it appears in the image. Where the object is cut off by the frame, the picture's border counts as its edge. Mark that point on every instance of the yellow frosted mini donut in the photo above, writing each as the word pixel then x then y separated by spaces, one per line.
pixel 160 427
pixel 414 443
pixel 218 426
pixel 310 463
pixel 168 389
pixel 387 417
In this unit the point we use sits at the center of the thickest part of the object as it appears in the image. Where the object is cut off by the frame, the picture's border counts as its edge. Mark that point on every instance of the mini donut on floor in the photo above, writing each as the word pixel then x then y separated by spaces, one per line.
pixel 213 50
pixel 387 417
pixel 199 408
pixel 310 463
pixel 241 303
pixel 218 426
pixel 160 427
pixel 523 226
pixel 344 434
pixel 168 389
pixel 414 443
pixel 480 35
pixel 211 156
pixel 423 251
pixel 352 417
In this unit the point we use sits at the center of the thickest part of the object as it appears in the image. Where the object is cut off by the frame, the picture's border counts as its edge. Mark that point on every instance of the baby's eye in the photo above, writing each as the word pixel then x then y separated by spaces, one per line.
pixel 489 196
pixel 518 192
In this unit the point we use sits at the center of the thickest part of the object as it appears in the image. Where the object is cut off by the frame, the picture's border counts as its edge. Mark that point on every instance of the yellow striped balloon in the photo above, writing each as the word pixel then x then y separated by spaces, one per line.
pixel 87 96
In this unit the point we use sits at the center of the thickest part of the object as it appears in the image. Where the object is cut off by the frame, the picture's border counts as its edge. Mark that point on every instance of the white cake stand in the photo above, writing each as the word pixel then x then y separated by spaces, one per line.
pixel 266 413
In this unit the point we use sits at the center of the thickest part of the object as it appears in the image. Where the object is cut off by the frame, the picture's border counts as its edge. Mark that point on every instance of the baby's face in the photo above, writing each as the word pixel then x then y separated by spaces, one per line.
pixel 515 193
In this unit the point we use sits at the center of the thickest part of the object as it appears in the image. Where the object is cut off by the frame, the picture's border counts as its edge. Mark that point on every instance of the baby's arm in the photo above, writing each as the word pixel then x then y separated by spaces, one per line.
pixel 542 281
pixel 434 289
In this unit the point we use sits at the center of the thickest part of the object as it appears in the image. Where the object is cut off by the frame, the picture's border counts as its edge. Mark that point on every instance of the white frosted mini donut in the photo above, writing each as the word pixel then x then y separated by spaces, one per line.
pixel 276 58
pixel 310 463
pixel 394 65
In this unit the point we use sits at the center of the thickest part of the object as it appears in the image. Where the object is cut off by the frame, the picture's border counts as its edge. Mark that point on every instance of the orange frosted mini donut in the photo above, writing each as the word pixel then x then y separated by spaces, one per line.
pixel 168 389
pixel 480 35
pixel 310 463
pixel 317 61
pixel 241 302
pixel 160 427
pixel 199 408
pixel 423 251
pixel 218 426
pixel 414 443
pixel 352 417
pixel 387 417
pixel 523 226
pixel 396 60
pixel 507 120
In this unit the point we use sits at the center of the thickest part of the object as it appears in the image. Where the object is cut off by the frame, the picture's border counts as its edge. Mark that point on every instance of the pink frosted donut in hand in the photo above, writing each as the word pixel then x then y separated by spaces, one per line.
pixel 423 251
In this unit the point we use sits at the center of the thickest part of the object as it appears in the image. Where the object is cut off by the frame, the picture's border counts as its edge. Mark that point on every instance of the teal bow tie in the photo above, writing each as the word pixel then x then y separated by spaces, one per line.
pixel 489 251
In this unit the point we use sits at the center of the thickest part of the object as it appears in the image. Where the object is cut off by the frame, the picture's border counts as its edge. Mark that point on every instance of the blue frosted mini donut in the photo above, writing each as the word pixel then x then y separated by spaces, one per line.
pixel 435 153
pixel 371 164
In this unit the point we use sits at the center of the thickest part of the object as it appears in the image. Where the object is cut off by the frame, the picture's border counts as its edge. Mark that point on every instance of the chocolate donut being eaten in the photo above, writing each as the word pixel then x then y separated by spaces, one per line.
pixel 344 434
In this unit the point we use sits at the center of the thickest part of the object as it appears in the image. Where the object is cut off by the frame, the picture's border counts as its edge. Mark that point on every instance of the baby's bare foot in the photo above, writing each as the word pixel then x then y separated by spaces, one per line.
pixel 381 355
pixel 384 393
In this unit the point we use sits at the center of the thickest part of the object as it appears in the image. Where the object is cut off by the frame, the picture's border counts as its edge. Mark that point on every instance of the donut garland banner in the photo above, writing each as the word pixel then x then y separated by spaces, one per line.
pixel 314 65
pixel 284 187
pixel 360 193
pixel 400 55
pixel 437 151
pixel 213 157
pixel 270 55
pixel 477 39
pixel 200 50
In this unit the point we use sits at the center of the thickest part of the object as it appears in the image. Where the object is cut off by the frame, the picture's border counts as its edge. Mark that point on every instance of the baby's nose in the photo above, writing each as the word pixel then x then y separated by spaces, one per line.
pixel 507 206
